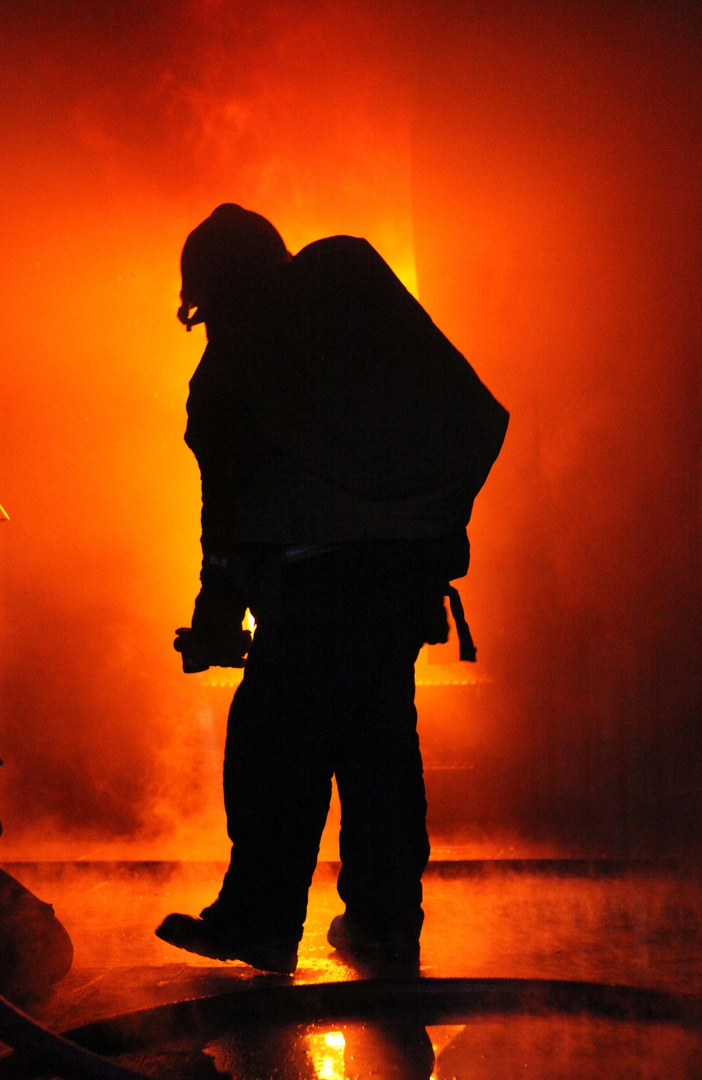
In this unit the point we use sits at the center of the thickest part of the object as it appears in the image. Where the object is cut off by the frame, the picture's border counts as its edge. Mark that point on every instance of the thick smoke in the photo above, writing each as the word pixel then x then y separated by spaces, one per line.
pixel 129 122
pixel 541 164
pixel 558 243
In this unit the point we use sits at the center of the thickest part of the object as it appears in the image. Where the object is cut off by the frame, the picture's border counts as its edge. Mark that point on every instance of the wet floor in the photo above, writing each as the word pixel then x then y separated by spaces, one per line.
pixel 632 924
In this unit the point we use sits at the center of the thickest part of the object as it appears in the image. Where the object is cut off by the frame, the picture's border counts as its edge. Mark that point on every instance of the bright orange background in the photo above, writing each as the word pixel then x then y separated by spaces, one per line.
pixel 535 176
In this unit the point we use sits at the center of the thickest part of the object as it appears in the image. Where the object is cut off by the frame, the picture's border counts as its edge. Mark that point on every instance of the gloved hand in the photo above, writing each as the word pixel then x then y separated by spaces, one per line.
pixel 201 651
pixel 216 637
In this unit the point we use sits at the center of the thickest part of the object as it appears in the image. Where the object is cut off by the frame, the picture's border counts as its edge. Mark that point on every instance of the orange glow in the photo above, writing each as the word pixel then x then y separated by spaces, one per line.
pixel 326 1052
pixel 100 563
pixel 532 176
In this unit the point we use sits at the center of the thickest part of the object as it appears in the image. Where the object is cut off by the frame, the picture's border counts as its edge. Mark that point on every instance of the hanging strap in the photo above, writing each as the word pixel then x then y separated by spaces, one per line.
pixel 465 640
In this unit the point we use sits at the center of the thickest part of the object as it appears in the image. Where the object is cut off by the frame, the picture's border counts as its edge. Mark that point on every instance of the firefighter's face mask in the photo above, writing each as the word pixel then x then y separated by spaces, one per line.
pixel 189 314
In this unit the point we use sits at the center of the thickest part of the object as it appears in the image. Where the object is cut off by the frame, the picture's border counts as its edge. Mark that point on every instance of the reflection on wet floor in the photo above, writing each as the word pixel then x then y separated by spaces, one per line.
pixel 480 1050
pixel 640 926
pixel 402 1050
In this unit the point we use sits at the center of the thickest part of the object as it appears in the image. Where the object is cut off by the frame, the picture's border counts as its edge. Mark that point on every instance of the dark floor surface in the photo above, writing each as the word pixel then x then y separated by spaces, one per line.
pixel 634 924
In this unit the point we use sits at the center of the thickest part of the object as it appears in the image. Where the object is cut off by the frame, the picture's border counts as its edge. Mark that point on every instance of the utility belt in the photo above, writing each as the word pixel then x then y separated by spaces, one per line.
pixel 257 572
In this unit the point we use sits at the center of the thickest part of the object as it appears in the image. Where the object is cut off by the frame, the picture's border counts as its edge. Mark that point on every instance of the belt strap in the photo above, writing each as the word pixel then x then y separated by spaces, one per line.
pixel 465 640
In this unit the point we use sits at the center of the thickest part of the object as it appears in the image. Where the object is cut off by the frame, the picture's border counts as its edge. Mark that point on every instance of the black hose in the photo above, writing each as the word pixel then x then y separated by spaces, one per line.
pixel 429 1001
pixel 40 1051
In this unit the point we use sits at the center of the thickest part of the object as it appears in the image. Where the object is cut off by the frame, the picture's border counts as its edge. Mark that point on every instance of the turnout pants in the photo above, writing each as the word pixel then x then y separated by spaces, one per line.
pixel 328 689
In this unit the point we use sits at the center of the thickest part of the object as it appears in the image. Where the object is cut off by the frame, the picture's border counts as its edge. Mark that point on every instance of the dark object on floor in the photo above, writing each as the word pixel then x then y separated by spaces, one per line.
pixel 35 949
pixel 207 938
pixel 36 1050
pixel 396 1006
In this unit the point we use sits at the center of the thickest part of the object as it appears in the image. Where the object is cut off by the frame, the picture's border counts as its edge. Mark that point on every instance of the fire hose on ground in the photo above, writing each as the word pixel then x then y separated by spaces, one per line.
pixel 78 1053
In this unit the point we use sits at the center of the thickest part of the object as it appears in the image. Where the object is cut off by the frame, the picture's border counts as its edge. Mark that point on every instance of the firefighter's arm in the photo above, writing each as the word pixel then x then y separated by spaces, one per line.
pixel 216 637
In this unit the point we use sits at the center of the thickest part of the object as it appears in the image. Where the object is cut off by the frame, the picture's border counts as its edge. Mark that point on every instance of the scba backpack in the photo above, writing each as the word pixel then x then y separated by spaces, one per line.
pixel 385 406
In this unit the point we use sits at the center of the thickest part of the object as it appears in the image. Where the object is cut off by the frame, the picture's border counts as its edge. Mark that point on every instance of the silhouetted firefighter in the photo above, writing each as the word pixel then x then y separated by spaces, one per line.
pixel 341 441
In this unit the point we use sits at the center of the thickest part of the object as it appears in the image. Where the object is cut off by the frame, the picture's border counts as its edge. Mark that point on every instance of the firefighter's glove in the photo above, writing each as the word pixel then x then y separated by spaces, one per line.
pixel 216 637
pixel 200 651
